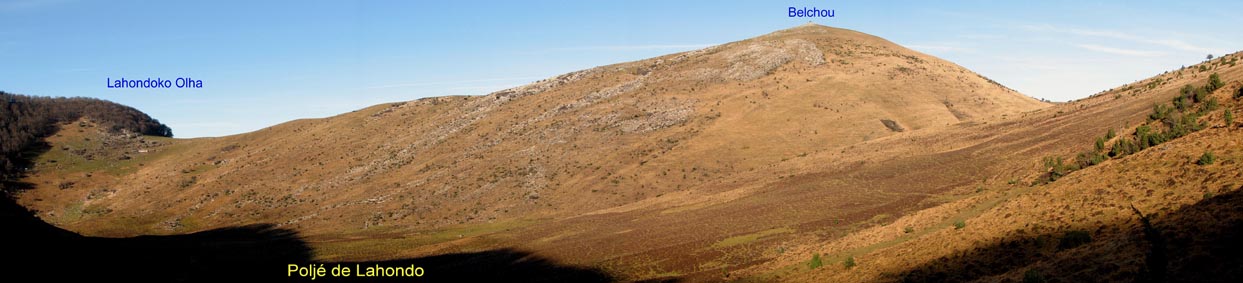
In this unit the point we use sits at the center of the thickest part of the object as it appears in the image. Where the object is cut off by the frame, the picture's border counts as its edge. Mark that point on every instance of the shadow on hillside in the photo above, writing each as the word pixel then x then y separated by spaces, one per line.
pixel 220 254
pixel 1201 244
pixel 500 265
pixel 246 253
pixel 24 159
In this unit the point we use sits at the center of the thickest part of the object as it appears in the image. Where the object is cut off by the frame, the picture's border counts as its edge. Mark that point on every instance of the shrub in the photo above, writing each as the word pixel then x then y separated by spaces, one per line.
pixel 1056 168
pixel 1180 103
pixel 1187 90
pixel 1206 158
pixel 1229 118
pixel 959 224
pixel 1096 158
pixel 1186 124
pixel 815 261
pixel 1074 238
pixel 1208 106
pixel 1085 159
pixel 1142 134
pixel 1214 83
pixel 1100 144
pixel 1177 129
pixel 1082 160
pixel 1110 135
pixel 850 262
pixel 1123 147
pixel 1159 112
pixel 908 230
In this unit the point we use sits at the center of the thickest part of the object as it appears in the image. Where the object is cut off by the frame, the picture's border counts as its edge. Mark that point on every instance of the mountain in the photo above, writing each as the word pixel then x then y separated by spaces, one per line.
pixel 737 161
pixel 573 144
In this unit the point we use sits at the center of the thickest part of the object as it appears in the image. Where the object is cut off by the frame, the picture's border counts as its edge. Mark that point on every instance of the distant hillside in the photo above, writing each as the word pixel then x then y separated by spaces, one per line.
pixel 27 119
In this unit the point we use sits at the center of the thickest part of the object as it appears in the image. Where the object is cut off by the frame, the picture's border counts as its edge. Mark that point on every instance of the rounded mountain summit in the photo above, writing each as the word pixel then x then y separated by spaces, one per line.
pixel 679 132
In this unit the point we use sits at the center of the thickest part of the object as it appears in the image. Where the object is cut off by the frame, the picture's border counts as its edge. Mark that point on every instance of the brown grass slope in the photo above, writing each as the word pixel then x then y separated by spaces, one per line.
pixel 738 160
pixel 1017 232
pixel 576 143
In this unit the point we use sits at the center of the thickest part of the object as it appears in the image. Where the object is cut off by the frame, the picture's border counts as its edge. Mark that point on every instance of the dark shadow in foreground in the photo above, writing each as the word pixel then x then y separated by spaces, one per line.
pixel 234 253
pixel 253 253
pixel 1195 243
pixel 500 265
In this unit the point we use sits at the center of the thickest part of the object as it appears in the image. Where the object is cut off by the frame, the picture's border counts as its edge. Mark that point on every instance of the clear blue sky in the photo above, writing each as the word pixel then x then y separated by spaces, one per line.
pixel 263 63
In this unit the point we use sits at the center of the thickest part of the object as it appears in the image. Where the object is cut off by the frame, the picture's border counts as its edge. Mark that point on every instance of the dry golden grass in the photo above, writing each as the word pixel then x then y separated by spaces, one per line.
pixel 735 161
pixel 1019 233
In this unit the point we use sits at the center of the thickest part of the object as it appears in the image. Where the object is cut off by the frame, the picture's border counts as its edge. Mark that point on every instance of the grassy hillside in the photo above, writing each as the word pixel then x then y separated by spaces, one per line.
pixel 743 161
pixel 650 133
pixel 26 120
pixel 1162 212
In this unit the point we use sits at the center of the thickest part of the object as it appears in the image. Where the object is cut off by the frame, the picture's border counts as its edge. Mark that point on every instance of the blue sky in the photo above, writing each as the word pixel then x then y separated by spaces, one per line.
pixel 263 63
